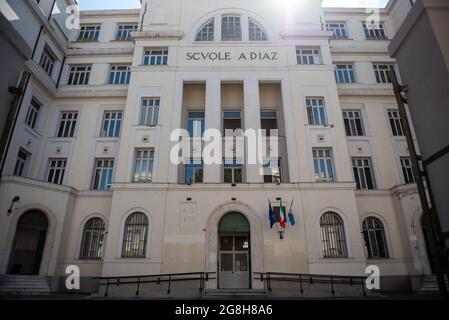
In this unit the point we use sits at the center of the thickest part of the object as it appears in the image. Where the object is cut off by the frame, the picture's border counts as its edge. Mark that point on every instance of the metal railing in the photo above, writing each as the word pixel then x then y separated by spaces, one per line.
pixel 202 277
pixel 311 279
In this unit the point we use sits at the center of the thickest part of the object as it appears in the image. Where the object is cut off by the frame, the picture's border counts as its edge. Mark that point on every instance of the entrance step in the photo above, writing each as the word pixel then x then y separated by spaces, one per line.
pixel 23 285
pixel 235 294
pixel 430 284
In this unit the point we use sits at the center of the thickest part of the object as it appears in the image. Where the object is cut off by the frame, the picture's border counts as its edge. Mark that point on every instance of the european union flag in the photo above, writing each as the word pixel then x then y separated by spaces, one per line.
pixel 271 215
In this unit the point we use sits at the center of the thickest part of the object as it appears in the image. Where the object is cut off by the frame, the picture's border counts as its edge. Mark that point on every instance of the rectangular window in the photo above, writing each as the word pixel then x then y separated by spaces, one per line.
pixel 103 171
pixel 344 73
pixel 33 113
pixel 407 170
pixel 67 124
pixel 323 164
pixel 119 74
pixel 89 32
pixel 149 112
pixel 154 57
pixel 338 28
pixel 112 124
pixel 56 170
pixel 124 31
pixel 232 120
pixel 268 120
pixel 382 72
pixel 375 32
pixel 316 112
pixel 79 75
pixel 363 173
pixel 47 62
pixel 272 171
pixel 233 171
pixel 308 56
pixel 21 163
pixel 395 122
pixel 195 124
pixel 353 123
pixel 231 28
pixel 143 165
pixel 193 171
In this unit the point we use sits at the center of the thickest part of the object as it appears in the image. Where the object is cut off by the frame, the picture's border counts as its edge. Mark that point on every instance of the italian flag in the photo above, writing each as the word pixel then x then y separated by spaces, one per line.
pixel 282 215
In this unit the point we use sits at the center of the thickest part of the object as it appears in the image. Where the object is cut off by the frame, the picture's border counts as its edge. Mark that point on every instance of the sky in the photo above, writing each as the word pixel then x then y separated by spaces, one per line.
pixel 129 4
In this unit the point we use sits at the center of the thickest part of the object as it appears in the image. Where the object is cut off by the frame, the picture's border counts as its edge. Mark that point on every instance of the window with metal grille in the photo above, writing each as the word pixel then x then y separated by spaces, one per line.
pixel 89 32
pixel 396 123
pixel 308 56
pixel 344 73
pixel 112 124
pixel 338 28
pixel 32 113
pixel 316 111
pixel 333 239
pixel 92 243
pixel 124 31
pixel 407 170
pixel 79 75
pixel 382 72
pixel 67 124
pixel 21 163
pixel 135 236
pixel 374 31
pixel 363 173
pixel 47 62
pixel 155 57
pixel 231 28
pixel 323 164
pixel 193 171
pixel 353 123
pixel 149 112
pixel 375 241
pixel 119 74
pixel 103 171
pixel 56 170
pixel 206 32
pixel 233 171
pixel 272 171
pixel 256 32
pixel 143 165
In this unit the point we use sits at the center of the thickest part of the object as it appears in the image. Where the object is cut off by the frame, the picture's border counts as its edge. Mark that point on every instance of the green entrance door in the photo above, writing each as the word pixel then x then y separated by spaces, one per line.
pixel 234 252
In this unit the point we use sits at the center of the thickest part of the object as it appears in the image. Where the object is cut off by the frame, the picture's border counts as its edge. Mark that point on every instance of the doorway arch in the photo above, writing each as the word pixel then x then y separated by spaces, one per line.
pixel 255 240
pixel 234 252
pixel 28 244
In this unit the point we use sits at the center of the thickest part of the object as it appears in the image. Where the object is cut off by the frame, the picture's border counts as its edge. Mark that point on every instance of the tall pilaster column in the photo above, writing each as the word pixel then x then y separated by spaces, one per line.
pixel 213 121
pixel 252 121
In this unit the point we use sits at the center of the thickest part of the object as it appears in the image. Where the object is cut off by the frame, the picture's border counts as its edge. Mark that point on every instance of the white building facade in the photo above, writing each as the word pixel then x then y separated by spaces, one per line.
pixel 90 159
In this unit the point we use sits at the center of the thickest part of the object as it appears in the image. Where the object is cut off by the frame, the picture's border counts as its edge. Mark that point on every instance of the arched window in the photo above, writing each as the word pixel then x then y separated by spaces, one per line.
pixel 333 240
pixel 374 235
pixel 92 243
pixel 135 236
pixel 256 32
pixel 206 32
pixel 231 28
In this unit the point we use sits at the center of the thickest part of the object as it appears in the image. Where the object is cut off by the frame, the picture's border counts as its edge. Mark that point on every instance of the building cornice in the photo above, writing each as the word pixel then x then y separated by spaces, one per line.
pixel 92 91
pixel 305 34
pixel 100 51
pixel 109 13
pixel 158 34
pixel 365 90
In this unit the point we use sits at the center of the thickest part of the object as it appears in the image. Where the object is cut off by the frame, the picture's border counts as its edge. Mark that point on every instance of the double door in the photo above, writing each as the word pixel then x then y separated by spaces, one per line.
pixel 233 263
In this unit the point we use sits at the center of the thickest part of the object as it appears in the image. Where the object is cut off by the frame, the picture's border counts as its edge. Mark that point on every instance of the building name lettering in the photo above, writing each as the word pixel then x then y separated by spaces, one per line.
pixel 227 56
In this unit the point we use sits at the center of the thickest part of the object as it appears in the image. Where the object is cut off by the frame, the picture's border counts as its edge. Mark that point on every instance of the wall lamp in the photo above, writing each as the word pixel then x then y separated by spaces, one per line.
pixel 14 200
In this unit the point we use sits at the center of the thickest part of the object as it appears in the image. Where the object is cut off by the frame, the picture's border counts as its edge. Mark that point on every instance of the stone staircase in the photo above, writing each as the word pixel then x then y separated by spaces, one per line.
pixel 23 285
pixel 430 284
pixel 235 294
